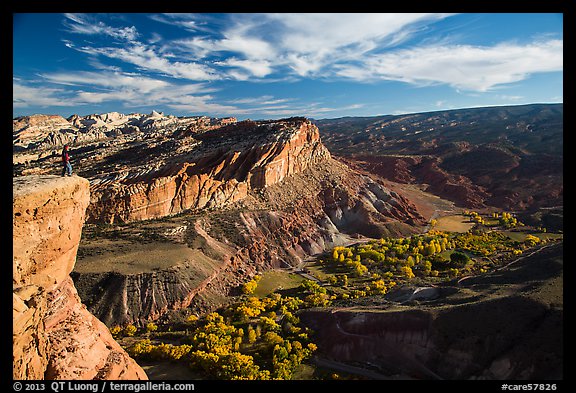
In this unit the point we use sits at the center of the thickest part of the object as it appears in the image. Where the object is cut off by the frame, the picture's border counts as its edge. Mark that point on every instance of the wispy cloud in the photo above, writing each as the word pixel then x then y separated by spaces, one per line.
pixel 254 45
pixel 24 96
pixel 461 66
pixel 359 47
pixel 107 79
pixel 146 58
pixel 305 34
pixel 132 90
pixel 129 90
pixel 86 24
pixel 304 44
pixel 257 68
pixel 271 106
pixel 189 22
pixel 262 100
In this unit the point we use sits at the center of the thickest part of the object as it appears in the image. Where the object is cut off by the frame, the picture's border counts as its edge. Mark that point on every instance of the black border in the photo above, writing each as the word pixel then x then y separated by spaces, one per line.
pixel 490 6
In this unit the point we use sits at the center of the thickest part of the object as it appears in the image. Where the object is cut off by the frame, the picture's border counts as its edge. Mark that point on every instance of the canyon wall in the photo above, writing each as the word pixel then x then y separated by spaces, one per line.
pixel 54 335
pixel 227 164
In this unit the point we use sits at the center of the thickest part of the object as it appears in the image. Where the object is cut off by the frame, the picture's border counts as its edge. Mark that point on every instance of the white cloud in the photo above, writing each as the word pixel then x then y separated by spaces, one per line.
pixel 146 58
pixel 269 106
pixel 84 24
pixel 311 44
pixel 329 33
pixel 190 22
pixel 305 65
pixel 262 100
pixel 250 47
pixel 90 97
pixel 107 79
pixel 234 41
pixel 128 90
pixel 258 68
pixel 461 66
pixel 25 96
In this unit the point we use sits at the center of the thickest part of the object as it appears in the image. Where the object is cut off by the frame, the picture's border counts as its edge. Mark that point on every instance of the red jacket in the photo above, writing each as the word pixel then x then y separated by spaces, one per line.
pixel 65 156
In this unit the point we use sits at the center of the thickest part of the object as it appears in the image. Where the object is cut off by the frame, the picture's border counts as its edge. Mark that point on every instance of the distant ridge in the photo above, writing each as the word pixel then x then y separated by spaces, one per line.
pixel 510 157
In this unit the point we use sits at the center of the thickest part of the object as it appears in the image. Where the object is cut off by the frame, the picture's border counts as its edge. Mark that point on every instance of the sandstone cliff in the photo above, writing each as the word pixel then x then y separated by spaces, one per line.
pixel 54 335
pixel 218 168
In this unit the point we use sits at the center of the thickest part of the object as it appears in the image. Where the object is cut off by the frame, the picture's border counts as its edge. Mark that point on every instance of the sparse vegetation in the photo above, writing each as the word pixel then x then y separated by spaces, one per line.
pixel 249 287
pixel 260 336
pixel 250 339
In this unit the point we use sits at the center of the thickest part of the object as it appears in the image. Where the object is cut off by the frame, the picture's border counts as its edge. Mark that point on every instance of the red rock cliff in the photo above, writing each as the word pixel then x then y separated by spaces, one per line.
pixel 54 335
pixel 226 164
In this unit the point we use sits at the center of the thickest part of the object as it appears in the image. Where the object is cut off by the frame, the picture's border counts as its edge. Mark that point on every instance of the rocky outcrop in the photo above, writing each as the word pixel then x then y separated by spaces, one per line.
pixel 54 335
pixel 44 132
pixel 222 168
pixel 28 130
pixel 452 343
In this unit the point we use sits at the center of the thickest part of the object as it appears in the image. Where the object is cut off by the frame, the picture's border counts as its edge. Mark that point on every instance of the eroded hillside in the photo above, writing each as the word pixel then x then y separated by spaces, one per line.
pixel 505 157
pixel 217 250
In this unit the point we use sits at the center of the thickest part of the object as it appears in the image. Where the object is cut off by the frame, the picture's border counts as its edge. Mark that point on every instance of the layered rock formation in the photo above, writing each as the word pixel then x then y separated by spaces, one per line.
pixel 222 167
pixel 424 170
pixel 45 132
pixel 510 157
pixel 54 335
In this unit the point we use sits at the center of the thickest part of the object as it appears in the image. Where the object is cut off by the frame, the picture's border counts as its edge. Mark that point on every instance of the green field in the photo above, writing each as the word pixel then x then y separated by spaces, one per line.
pixel 318 271
pixel 455 223
pixel 277 279
pixel 520 236
pixel 127 257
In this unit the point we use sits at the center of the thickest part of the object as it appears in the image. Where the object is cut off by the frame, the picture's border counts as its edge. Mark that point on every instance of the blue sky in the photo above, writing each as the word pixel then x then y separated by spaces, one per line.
pixel 266 66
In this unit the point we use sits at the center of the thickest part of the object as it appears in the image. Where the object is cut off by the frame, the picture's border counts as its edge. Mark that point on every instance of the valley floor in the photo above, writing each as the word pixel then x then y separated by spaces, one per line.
pixel 468 317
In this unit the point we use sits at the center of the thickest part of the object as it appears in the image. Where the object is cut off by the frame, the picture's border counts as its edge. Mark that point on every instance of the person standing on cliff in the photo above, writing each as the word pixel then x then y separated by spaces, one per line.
pixel 67 168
